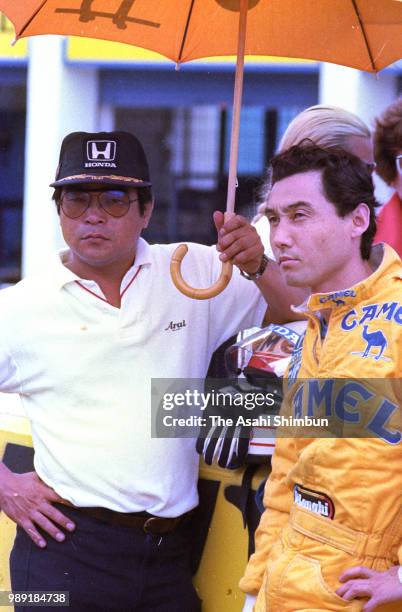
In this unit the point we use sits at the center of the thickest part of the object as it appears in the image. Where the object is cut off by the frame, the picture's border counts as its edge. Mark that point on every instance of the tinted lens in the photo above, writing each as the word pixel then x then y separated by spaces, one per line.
pixel 116 203
pixel 75 203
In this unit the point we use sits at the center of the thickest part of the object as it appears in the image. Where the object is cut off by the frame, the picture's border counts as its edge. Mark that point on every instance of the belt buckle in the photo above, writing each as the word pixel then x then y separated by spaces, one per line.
pixel 147 527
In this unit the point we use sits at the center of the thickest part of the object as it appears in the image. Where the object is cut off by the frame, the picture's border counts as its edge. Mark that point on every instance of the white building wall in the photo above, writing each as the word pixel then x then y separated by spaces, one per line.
pixel 362 93
pixel 60 99
pixel 365 94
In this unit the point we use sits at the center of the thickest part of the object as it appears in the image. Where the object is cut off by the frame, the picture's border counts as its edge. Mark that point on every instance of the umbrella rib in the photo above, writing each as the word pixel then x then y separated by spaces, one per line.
pixel 183 42
pixel 24 27
pixel 356 10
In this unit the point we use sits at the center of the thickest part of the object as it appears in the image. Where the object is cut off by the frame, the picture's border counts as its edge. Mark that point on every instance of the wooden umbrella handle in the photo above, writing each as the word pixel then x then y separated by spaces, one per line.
pixel 192 292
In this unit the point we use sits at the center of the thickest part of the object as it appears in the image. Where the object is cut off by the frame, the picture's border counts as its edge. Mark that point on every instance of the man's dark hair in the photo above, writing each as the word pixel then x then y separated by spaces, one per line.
pixel 346 180
pixel 144 196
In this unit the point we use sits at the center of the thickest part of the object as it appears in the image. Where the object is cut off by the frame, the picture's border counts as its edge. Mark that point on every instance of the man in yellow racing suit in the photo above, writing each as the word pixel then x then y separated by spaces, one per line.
pixel 333 503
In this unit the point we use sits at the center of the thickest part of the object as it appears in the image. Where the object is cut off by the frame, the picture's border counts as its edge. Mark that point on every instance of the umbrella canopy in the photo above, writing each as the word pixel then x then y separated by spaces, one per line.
pixel 364 34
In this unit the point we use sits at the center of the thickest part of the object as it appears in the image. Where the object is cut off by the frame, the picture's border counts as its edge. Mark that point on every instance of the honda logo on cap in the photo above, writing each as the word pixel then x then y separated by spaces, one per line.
pixel 101 149
pixel 100 153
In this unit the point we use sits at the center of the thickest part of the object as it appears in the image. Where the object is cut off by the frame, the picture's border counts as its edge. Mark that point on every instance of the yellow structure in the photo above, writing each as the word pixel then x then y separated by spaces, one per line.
pixel 13 430
pixel 8 52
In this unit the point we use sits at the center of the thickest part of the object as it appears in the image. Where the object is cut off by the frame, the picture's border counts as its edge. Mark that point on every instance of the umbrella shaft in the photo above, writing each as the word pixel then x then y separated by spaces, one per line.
pixel 238 90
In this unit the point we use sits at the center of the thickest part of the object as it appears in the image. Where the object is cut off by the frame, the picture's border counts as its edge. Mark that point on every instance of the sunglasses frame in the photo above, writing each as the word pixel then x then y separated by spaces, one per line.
pixel 98 193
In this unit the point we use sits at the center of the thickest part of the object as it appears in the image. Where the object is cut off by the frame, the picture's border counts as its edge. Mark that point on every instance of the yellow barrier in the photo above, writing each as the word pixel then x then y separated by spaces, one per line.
pixel 13 430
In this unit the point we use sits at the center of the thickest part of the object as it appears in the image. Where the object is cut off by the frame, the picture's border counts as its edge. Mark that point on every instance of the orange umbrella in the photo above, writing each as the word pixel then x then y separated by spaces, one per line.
pixel 364 34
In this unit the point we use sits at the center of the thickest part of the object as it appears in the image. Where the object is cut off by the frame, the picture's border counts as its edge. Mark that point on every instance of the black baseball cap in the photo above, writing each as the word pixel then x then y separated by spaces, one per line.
pixel 113 158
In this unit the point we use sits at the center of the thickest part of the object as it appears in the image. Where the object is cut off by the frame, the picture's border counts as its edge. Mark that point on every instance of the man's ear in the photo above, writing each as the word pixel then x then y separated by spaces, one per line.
pixel 149 206
pixel 360 219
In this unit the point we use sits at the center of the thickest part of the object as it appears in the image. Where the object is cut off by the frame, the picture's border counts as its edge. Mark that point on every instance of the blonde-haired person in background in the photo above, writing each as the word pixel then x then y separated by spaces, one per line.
pixel 388 155
pixel 330 127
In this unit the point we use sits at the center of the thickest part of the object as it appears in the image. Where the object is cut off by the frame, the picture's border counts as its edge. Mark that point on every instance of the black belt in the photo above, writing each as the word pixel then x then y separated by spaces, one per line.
pixel 148 523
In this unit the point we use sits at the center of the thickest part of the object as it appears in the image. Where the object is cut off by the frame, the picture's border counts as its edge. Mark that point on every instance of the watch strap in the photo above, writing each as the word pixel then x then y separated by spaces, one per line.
pixel 259 272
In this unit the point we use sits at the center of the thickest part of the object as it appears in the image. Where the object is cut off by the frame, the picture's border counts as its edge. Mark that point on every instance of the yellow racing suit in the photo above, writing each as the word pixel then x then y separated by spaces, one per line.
pixel 336 502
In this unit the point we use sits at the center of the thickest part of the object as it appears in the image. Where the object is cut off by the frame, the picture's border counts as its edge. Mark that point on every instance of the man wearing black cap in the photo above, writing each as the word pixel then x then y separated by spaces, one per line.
pixel 105 515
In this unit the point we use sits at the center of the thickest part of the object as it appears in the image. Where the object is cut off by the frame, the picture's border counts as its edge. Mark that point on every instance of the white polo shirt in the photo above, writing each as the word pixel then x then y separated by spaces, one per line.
pixel 83 369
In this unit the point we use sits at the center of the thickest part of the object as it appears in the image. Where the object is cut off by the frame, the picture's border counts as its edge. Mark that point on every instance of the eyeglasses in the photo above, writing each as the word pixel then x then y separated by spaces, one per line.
pixel 398 161
pixel 115 203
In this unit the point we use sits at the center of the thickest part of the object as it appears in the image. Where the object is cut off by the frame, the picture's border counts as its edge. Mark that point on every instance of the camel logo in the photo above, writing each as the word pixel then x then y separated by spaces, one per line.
pixel 120 17
pixel 337 298
pixel 376 343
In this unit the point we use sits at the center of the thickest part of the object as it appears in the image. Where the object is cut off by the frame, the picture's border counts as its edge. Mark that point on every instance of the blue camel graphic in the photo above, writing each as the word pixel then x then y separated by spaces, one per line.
pixel 374 339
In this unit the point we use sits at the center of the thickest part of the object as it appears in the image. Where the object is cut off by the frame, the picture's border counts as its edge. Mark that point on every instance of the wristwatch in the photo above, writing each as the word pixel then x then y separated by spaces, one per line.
pixel 259 272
